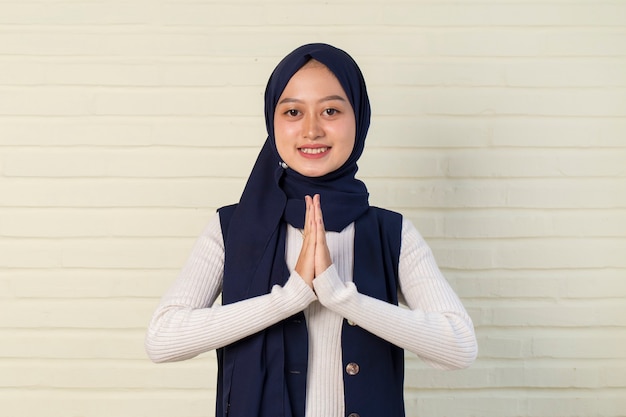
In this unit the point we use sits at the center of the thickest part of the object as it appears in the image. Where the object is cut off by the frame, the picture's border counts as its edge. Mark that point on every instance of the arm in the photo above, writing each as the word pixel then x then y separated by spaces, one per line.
pixel 435 326
pixel 187 322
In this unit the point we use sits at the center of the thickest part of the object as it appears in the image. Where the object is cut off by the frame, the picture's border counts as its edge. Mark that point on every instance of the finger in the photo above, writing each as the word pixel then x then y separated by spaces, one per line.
pixel 309 217
pixel 305 265
pixel 319 219
pixel 322 253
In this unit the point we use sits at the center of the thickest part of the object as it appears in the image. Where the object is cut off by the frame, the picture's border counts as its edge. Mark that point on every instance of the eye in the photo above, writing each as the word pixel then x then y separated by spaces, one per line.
pixel 331 112
pixel 292 112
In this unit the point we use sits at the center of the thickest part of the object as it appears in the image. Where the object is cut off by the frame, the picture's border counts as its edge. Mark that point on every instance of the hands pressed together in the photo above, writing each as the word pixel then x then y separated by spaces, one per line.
pixel 314 257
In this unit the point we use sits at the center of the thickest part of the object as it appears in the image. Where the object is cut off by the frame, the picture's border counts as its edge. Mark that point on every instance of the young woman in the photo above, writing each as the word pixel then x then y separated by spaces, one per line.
pixel 311 275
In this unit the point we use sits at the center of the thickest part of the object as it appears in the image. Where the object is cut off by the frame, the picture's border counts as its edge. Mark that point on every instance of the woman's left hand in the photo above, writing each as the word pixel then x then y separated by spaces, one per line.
pixel 322 254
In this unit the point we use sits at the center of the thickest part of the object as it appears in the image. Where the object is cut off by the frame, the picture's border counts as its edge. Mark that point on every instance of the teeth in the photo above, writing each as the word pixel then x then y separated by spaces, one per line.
pixel 313 150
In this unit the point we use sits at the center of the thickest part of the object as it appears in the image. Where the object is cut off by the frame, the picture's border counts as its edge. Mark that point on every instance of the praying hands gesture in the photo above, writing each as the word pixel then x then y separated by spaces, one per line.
pixel 314 257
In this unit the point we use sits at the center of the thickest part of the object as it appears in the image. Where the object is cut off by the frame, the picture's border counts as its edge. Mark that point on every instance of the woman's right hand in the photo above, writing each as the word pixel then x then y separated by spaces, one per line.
pixel 305 266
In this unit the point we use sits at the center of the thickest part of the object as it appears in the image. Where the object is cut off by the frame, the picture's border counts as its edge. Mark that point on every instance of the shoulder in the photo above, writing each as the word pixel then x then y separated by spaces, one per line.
pixel 413 243
pixel 225 213
pixel 388 218
pixel 385 212
pixel 410 236
pixel 405 224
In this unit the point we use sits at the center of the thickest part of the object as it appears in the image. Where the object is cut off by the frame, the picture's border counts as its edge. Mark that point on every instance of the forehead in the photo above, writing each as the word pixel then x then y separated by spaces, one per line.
pixel 314 63
pixel 313 77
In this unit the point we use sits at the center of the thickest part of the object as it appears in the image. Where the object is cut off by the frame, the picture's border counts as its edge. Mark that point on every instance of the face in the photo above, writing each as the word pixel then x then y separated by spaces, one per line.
pixel 314 124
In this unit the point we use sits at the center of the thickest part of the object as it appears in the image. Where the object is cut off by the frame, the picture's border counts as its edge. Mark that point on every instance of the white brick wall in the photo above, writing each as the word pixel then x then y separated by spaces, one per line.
pixel 499 128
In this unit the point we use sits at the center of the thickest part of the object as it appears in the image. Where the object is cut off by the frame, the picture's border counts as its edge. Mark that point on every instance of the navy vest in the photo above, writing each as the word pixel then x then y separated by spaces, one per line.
pixel 373 368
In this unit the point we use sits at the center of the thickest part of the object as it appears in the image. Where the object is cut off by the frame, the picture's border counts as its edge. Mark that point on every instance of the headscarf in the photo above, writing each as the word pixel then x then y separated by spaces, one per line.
pixel 255 234
pixel 274 193
pixel 343 197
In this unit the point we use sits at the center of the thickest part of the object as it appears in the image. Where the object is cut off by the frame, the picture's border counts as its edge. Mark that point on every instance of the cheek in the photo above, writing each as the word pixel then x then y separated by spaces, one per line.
pixel 348 142
pixel 281 138
pixel 346 133
pixel 280 145
pixel 283 128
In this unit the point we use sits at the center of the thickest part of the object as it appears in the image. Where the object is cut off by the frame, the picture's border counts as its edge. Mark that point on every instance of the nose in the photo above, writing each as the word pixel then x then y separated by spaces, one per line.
pixel 312 128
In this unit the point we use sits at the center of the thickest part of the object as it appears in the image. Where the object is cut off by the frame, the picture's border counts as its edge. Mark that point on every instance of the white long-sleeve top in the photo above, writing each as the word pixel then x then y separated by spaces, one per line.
pixel 435 326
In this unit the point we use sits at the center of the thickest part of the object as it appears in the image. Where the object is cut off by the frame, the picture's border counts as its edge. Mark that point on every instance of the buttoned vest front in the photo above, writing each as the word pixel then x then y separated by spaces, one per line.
pixel 373 369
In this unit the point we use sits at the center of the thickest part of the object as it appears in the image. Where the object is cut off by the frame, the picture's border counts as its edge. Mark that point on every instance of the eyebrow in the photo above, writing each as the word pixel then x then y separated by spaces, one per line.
pixel 327 98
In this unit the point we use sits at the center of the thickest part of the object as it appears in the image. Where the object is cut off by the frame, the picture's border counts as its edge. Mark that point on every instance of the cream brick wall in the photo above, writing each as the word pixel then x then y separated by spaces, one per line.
pixel 499 128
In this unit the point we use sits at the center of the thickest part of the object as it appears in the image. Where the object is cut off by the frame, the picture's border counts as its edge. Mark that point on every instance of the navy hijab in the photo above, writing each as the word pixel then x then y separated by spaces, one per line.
pixel 274 193
pixel 252 379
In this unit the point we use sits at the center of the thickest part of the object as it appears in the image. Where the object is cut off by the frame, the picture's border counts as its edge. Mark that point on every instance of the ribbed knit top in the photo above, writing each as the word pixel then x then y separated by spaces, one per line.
pixel 432 323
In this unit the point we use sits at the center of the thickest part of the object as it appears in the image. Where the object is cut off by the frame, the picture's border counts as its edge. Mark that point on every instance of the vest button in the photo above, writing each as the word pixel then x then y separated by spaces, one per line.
pixel 352 369
pixel 353 415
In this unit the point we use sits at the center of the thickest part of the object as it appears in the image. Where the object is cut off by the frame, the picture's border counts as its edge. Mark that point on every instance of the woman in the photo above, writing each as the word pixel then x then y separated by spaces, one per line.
pixel 310 274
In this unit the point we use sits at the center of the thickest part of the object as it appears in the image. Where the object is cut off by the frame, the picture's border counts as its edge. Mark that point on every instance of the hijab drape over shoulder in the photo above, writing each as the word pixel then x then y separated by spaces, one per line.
pixel 254 235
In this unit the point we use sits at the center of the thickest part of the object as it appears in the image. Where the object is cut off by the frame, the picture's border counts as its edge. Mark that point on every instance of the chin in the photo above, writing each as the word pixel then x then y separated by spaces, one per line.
pixel 313 173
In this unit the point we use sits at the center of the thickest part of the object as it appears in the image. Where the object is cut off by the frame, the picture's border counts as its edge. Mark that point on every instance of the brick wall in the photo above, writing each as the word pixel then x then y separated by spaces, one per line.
pixel 499 128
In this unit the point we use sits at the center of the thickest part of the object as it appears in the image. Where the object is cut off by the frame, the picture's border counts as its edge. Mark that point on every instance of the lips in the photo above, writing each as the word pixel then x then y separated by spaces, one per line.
pixel 314 151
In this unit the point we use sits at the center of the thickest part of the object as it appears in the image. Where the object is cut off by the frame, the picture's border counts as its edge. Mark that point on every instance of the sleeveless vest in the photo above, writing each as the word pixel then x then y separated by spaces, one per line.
pixel 373 369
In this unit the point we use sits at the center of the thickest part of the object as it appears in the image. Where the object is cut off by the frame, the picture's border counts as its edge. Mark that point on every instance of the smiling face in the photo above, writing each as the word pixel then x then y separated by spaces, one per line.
pixel 314 124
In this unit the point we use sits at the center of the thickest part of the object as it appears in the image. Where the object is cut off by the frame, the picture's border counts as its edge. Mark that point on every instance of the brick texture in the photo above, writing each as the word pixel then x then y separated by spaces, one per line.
pixel 499 128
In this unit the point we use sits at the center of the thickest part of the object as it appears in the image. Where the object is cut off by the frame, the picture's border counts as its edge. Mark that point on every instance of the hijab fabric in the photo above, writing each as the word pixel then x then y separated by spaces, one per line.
pixel 254 239
pixel 274 193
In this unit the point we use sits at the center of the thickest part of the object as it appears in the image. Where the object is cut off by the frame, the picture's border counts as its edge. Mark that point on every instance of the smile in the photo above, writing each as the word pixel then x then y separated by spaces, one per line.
pixel 314 151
